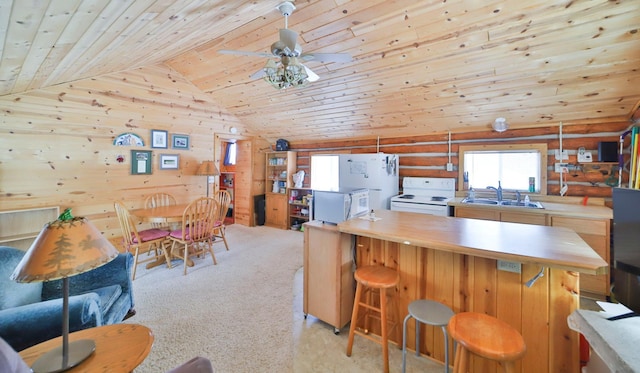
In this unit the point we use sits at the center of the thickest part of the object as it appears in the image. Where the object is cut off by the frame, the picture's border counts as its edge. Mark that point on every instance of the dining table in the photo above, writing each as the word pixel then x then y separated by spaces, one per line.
pixel 171 214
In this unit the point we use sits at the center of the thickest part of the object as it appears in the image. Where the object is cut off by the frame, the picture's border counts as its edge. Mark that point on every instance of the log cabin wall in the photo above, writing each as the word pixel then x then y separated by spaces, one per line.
pixel 56 144
pixel 427 156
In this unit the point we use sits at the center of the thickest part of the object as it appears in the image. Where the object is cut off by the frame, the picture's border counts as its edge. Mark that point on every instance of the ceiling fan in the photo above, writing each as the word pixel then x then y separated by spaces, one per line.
pixel 289 72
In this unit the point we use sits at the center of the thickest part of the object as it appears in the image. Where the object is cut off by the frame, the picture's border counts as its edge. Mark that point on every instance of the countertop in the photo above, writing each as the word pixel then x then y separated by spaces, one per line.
pixel 554 247
pixel 558 209
pixel 615 341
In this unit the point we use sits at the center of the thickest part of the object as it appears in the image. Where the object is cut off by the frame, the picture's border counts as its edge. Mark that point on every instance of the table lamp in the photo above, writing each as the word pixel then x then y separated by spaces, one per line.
pixel 207 168
pixel 66 247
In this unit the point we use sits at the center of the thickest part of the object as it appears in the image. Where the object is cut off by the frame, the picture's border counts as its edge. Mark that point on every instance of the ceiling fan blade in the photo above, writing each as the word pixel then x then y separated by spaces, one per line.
pixel 257 75
pixel 244 53
pixel 312 77
pixel 327 57
pixel 288 37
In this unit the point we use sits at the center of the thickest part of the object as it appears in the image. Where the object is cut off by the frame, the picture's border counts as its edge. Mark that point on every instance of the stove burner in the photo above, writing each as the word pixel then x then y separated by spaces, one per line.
pixel 407 196
pixel 439 198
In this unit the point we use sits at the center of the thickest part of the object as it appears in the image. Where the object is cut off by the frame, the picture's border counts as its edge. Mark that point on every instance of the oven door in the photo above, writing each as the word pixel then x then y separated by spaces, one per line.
pixel 420 208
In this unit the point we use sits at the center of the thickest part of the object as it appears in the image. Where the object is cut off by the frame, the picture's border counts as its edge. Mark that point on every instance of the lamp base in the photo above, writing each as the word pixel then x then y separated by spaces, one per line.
pixel 52 361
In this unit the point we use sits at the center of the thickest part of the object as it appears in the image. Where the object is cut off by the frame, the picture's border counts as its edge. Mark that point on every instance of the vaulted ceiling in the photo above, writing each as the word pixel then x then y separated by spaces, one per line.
pixel 418 67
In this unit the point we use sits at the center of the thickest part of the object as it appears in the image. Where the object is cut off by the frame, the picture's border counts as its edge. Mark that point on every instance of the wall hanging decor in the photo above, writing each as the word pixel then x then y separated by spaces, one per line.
pixel 140 162
pixel 169 161
pixel 180 141
pixel 159 139
pixel 128 139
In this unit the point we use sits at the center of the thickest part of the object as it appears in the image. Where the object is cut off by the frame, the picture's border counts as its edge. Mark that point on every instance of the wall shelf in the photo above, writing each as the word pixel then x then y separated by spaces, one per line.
pixel 605 168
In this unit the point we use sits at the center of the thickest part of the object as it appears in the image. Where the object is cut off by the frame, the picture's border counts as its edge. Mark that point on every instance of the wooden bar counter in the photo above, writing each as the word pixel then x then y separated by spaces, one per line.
pixel 454 261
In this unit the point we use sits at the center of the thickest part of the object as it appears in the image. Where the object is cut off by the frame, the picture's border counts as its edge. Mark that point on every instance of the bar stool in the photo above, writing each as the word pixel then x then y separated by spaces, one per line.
pixel 370 278
pixel 427 312
pixel 487 337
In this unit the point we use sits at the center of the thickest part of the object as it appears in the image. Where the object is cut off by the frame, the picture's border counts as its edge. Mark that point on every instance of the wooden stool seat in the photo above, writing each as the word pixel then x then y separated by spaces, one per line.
pixel 369 278
pixel 485 336
pixel 379 277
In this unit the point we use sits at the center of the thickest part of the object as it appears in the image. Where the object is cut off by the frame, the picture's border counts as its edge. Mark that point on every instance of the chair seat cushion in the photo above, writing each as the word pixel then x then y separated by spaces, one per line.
pixel 108 295
pixel 151 234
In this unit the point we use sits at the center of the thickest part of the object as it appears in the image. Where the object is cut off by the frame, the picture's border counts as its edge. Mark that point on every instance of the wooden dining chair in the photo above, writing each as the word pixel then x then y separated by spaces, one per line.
pixel 159 199
pixel 197 230
pixel 142 242
pixel 224 201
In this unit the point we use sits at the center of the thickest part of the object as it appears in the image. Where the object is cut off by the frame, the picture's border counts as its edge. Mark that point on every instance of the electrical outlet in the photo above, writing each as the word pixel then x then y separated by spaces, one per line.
pixel 514 267
pixel 449 166
pixel 561 168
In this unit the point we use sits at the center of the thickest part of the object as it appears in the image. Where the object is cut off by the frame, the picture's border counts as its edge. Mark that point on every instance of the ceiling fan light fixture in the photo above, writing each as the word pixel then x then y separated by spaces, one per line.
pixel 500 125
pixel 290 73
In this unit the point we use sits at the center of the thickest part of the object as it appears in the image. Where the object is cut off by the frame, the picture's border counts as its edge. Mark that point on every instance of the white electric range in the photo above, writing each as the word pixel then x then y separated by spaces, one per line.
pixel 425 195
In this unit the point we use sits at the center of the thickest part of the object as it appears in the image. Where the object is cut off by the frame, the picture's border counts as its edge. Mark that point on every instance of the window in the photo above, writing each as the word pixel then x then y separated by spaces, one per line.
pixel 513 165
pixel 230 154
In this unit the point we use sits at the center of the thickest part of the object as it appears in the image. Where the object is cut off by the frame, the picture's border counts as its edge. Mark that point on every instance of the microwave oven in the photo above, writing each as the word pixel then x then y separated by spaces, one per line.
pixel 337 206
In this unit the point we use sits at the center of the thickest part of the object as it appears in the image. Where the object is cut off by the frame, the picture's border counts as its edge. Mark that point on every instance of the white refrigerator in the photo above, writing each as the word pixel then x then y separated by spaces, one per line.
pixel 377 172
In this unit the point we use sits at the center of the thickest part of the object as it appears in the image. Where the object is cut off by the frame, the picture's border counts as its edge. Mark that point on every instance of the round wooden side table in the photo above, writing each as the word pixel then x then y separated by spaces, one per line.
pixel 119 348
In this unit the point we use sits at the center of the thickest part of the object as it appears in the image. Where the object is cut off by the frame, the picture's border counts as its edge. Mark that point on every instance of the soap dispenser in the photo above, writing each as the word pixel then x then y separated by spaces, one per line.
pixel 471 195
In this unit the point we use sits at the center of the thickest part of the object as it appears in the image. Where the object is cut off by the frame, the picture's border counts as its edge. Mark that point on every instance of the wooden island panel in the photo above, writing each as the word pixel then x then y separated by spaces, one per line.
pixel 466 281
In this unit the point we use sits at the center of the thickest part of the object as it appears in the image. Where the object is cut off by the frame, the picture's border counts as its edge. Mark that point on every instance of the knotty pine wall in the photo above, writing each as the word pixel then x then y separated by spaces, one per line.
pixel 427 156
pixel 56 144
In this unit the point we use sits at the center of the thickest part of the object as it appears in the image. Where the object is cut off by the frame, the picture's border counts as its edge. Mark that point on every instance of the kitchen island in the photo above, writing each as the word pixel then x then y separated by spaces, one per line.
pixel 455 261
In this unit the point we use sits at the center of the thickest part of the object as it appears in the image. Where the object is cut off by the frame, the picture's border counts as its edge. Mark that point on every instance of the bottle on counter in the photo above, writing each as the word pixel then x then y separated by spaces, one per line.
pixel 471 195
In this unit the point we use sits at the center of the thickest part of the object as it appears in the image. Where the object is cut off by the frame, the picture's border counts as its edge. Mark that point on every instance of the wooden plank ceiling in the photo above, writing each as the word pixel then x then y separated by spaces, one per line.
pixel 418 67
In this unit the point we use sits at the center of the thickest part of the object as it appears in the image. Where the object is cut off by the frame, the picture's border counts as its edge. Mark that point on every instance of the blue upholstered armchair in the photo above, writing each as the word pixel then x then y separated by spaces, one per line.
pixel 31 313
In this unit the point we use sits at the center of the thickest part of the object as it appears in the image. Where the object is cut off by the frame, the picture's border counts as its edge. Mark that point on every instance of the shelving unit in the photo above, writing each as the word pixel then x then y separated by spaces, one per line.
pixel 299 207
pixel 279 168
pixel 18 228
pixel 605 168
pixel 227 182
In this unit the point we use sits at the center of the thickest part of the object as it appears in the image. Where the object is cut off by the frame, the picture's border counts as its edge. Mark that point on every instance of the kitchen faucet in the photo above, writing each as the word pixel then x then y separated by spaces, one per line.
pixel 498 191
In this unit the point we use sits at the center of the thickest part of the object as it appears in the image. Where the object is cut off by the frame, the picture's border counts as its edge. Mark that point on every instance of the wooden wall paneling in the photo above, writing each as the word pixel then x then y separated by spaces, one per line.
pixel 442 262
pixel 426 155
pixel 63 136
pixel 509 302
pixel 564 297
pixel 408 287
pixel 484 295
pixel 535 301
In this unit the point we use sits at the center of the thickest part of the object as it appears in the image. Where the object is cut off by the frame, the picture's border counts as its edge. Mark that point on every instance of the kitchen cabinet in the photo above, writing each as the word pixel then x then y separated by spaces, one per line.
pixel 279 168
pixel 299 207
pixel 497 215
pixel 595 232
pixel 329 286
pixel 276 211
pixel 19 228
pixel 227 182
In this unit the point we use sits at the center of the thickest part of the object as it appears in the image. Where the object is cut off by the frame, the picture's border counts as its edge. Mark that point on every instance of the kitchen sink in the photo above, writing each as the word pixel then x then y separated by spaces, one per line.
pixel 506 203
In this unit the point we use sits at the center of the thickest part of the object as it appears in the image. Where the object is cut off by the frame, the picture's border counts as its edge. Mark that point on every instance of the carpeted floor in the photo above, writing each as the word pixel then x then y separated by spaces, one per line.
pixel 237 313
pixel 245 314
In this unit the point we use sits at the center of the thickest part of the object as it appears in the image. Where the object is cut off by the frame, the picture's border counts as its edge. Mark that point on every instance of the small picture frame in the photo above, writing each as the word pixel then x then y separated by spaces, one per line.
pixel 169 161
pixel 180 141
pixel 159 139
pixel 141 162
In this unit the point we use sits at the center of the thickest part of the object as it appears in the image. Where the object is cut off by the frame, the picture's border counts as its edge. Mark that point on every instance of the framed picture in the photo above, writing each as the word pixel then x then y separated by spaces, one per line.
pixel 169 161
pixel 159 139
pixel 140 162
pixel 180 141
